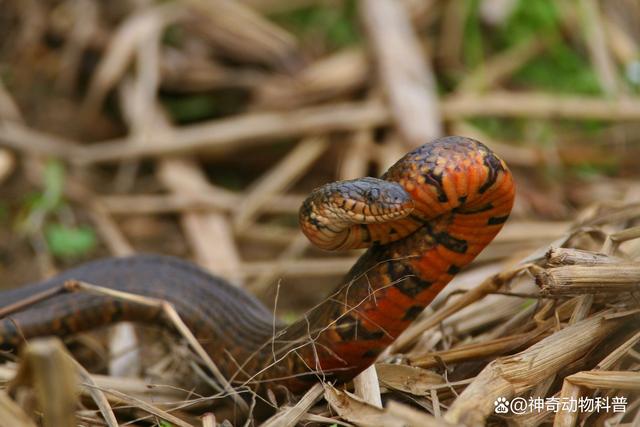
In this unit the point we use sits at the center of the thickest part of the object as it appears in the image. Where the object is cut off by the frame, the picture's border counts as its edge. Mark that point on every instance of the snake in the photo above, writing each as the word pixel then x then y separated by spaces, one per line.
pixel 421 222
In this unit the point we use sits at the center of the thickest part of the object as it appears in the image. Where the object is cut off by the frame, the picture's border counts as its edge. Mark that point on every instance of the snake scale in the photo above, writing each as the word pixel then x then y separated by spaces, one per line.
pixel 426 218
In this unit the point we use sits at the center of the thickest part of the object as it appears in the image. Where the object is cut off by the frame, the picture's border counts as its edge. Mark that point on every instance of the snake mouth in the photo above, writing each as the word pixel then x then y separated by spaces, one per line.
pixel 370 213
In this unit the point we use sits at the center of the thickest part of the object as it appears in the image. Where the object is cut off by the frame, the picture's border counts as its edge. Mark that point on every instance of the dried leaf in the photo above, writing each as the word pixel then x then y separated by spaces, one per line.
pixel 416 381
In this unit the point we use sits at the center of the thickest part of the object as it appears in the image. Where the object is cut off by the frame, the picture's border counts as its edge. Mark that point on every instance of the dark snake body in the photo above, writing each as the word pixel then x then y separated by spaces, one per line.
pixel 462 194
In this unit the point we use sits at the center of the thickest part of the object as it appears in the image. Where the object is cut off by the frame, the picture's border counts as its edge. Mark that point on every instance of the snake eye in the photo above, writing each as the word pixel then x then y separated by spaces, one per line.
pixel 373 194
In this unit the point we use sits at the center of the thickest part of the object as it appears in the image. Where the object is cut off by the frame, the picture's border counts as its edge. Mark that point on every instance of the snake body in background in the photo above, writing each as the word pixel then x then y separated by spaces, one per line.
pixel 425 219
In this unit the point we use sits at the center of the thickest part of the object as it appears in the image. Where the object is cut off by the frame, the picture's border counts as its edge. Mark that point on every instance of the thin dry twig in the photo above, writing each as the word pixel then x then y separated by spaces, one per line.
pixel 499 67
pixel 290 416
pixel 278 179
pixel 290 254
pixel 353 409
pixel 414 418
pixel 328 78
pixel 593 29
pixel 405 73
pixel 209 233
pixel 145 406
pixel 622 380
pixel 240 32
pixel 479 350
pixel 357 155
pixel 536 105
pixel 97 394
pixel 250 129
pixel 211 198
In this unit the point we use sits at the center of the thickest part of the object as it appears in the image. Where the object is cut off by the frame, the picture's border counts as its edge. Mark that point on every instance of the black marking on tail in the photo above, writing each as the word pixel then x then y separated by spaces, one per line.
pixel 405 280
pixel 453 269
pixel 413 312
pixel 493 166
pixel 436 182
pixel 451 243
pixel 372 352
pixel 495 220
pixel 350 329
pixel 470 211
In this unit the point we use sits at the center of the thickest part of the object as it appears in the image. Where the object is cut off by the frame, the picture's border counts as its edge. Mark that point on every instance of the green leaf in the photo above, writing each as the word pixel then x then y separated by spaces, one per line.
pixel 561 70
pixel 473 46
pixel 334 25
pixel 561 67
pixel 187 109
pixel 54 175
pixel 289 317
pixel 531 19
pixel 528 303
pixel 70 242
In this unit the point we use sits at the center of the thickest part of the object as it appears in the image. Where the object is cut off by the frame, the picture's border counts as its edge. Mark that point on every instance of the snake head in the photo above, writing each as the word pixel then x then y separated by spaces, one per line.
pixel 334 215
pixel 365 201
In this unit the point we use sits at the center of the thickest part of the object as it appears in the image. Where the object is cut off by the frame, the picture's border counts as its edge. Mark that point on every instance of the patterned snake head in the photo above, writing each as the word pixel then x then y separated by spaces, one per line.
pixel 338 215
